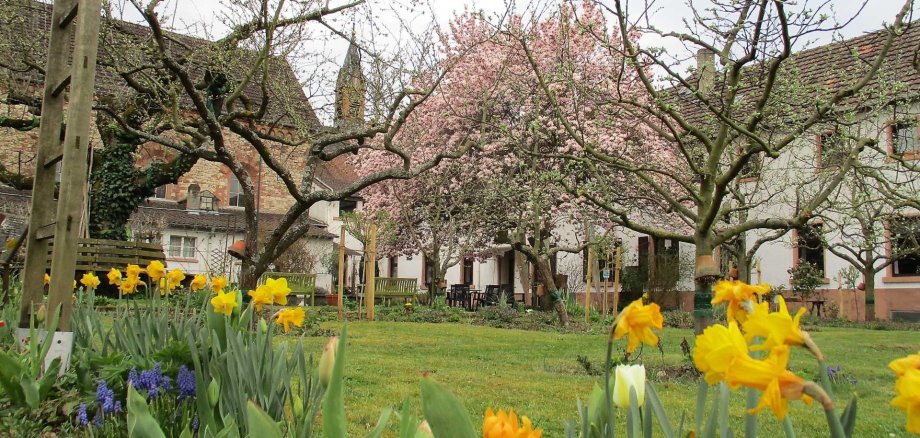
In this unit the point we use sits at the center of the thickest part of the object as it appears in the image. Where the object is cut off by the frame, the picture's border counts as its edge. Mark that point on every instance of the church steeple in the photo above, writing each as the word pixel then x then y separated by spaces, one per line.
pixel 350 88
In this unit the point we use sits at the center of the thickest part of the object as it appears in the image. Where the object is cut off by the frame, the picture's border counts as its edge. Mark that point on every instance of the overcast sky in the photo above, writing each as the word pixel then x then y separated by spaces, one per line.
pixel 193 16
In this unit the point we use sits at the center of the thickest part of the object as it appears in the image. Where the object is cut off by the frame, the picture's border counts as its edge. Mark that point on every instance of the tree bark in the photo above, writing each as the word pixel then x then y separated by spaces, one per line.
pixel 552 293
pixel 523 272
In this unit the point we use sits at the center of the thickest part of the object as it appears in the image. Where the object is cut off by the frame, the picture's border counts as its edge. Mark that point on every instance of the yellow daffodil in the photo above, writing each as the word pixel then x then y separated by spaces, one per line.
pixel 716 349
pixel 628 377
pixel 504 425
pixel 776 328
pixel 637 321
pixel 75 284
pixel 738 296
pixel 198 282
pixel 261 296
pixel 224 303
pixel 90 280
pixel 10 244
pixel 218 284
pixel 174 278
pixel 47 279
pixel 902 365
pixel 772 377
pixel 114 277
pixel 129 285
pixel 156 270
pixel 162 287
pixel 133 271
pixel 279 289
pixel 907 398
pixel 288 317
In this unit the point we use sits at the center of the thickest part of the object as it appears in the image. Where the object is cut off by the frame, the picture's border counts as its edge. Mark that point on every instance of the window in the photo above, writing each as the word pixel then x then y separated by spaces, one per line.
pixel 347 205
pixel 751 167
pixel 159 192
pixel 394 266
pixel 182 247
pixel 905 248
pixel 831 150
pixel 207 201
pixel 904 138
pixel 235 192
pixel 467 271
pixel 810 246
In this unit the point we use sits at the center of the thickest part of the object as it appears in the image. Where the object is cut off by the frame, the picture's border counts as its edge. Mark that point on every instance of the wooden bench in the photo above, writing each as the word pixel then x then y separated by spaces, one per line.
pixel 388 288
pixel 101 255
pixel 301 284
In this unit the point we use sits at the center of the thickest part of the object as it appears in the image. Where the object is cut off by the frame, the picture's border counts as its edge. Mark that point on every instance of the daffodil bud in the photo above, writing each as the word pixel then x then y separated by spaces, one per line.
pixel 424 429
pixel 629 376
pixel 297 403
pixel 41 314
pixel 327 361
pixel 213 392
pixel 263 326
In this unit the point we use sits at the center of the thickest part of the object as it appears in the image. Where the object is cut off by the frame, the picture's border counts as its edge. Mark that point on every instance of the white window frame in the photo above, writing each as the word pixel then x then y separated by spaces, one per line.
pixel 186 247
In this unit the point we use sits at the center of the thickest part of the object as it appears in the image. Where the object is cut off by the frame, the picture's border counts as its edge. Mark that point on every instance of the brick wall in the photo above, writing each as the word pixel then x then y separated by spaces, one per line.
pixel 18 149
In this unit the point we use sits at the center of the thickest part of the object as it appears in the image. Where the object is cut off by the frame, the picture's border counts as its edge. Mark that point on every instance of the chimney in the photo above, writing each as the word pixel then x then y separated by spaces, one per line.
pixel 706 69
pixel 193 199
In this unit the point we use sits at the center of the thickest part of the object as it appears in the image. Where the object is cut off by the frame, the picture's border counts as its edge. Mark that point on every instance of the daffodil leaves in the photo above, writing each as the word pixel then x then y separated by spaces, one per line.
pixel 445 413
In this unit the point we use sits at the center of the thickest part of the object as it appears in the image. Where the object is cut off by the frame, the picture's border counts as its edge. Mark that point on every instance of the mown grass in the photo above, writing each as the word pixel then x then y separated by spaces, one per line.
pixel 537 373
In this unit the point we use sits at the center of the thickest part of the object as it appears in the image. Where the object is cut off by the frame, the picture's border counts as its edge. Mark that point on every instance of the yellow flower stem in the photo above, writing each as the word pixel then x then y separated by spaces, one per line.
pixel 820 395
pixel 751 399
pixel 608 397
pixel 812 346
pixel 825 379
pixel 787 427
pixel 750 420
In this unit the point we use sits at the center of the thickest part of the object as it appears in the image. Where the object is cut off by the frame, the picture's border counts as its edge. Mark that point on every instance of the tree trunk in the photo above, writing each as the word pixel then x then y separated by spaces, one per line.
pixel 705 274
pixel 551 292
pixel 250 274
pixel 523 272
pixel 869 279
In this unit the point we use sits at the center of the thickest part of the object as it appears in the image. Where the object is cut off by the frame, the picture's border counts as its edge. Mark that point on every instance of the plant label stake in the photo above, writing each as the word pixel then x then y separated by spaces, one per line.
pixel 61 346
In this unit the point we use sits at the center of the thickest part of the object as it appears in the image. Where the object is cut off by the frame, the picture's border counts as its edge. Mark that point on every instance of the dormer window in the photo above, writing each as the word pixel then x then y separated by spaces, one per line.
pixel 208 201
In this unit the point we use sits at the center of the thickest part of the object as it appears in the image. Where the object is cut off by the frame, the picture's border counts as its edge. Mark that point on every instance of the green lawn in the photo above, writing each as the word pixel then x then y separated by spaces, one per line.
pixel 537 373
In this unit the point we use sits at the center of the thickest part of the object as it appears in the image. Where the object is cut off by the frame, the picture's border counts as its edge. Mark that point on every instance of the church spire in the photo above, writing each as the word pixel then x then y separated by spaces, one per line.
pixel 350 88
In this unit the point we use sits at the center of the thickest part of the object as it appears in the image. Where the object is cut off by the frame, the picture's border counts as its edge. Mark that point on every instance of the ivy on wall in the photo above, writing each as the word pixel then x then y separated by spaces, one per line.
pixel 118 187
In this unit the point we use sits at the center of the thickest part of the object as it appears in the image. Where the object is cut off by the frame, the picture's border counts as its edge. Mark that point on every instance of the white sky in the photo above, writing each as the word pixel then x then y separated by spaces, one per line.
pixel 192 16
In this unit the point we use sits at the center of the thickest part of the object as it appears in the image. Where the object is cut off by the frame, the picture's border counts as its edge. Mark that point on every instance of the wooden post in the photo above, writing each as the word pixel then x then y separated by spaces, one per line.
pixel 371 264
pixel 606 282
pixel 588 278
pixel 617 260
pixel 341 276
pixel 73 153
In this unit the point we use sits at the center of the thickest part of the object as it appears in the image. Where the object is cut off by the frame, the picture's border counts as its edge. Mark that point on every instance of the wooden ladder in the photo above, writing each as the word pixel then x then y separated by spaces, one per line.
pixel 70 65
